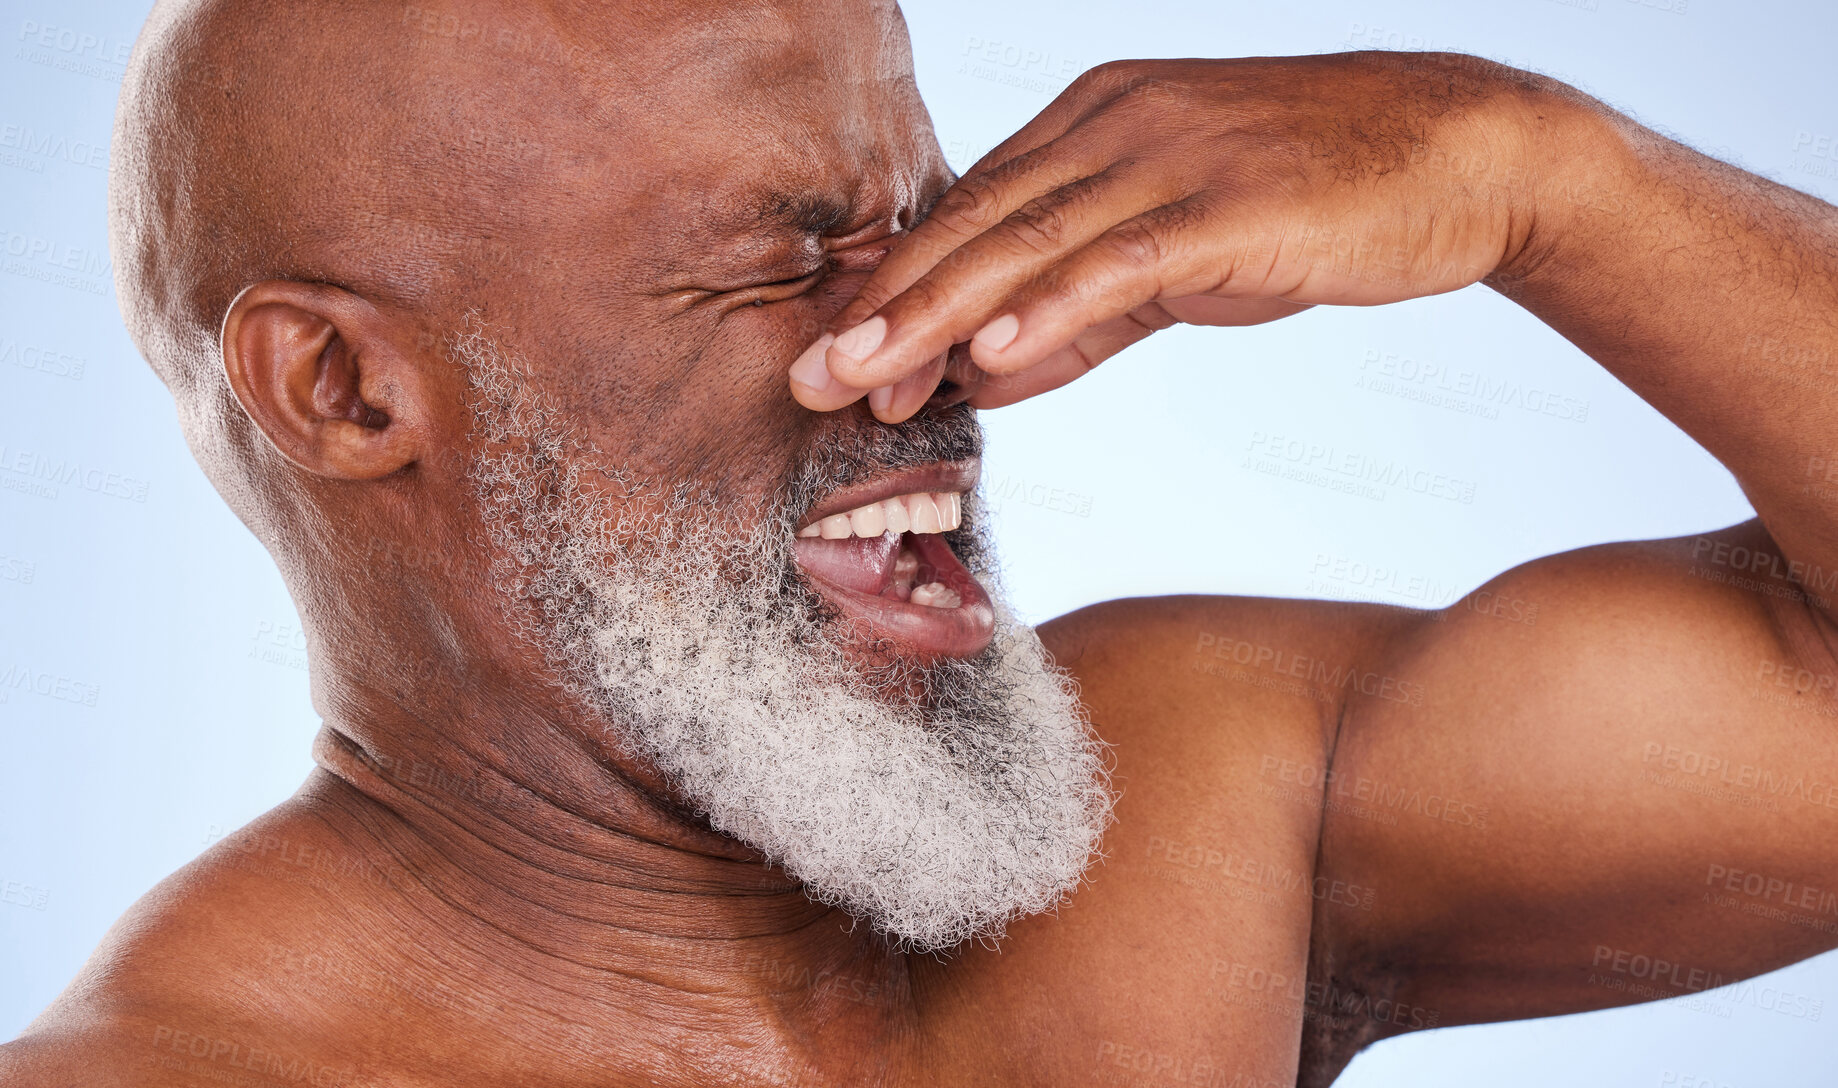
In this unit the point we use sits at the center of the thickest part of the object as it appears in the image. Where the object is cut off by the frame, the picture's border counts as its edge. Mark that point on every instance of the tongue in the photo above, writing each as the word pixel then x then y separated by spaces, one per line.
pixel 864 565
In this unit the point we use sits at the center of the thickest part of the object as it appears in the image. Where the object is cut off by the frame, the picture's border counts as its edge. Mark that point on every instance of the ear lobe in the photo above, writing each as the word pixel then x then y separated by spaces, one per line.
pixel 323 374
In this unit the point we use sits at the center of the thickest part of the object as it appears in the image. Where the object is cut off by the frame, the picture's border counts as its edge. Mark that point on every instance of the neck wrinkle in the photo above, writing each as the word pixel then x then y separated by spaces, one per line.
pixel 554 913
pixel 486 827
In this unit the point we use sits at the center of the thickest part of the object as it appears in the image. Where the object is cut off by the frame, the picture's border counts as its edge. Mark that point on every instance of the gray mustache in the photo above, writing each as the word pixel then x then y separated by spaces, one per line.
pixel 862 449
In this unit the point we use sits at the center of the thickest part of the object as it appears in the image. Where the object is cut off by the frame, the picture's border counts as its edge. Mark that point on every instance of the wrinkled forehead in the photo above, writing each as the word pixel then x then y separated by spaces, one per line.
pixel 691 131
pixel 635 181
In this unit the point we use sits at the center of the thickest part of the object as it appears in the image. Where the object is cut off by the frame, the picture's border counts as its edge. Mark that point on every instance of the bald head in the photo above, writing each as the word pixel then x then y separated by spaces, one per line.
pixel 559 167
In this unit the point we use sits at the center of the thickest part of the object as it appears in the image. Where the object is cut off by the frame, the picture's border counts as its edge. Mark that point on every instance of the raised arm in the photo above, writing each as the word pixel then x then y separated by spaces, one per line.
pixel 1636 794
pixel 1657 756
pixel 1710 292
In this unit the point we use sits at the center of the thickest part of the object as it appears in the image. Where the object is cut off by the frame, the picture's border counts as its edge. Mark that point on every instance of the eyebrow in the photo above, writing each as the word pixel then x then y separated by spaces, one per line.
pixel 817 213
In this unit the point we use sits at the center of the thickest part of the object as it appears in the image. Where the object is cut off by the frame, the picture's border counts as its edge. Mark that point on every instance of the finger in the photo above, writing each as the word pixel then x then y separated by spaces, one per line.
pixel 1107 338
pixel 811 383
pixel 1088 91
pixel 960 368
pixel 1094 345
pixel 963 291
pixel 896 403
pixel 974 203
pixel 1163 252
pixel 1034 160
pixel 1075 360
pixel 1060 368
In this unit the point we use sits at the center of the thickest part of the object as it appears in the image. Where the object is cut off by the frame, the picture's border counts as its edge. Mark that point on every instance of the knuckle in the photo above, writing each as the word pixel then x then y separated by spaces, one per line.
pixel 1053 282
pixel 971 207
pixel 1135 243
pixel 871 297
pixel 1038 226
pixel 1128 82
pixel 1105 76
pixel 858 310
pixel 1181 217
pixel 924 295
pixel 1143 87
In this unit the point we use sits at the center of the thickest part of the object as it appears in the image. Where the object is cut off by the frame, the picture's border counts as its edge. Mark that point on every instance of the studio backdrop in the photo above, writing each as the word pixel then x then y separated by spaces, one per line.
pixel 153 675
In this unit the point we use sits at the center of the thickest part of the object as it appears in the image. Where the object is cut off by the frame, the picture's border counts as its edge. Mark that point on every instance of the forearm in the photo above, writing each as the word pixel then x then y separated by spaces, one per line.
pixel 1710 292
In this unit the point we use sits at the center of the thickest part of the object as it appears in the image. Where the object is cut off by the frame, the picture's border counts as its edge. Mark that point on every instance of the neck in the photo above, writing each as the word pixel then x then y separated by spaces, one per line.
pixel 566 887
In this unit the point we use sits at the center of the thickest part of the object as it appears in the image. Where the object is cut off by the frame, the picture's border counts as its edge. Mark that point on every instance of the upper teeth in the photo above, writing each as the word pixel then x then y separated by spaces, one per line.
pixel 920 512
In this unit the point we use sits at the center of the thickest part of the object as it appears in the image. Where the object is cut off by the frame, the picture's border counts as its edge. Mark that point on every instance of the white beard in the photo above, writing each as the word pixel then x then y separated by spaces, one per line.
pixel 936 818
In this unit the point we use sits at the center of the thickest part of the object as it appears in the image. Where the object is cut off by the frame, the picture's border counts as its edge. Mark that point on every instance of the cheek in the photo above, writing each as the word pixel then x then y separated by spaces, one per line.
pixel 727 420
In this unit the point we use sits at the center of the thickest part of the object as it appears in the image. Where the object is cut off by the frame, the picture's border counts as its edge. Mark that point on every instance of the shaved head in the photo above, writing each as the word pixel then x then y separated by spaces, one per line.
pixel 435 160
pixel 320 143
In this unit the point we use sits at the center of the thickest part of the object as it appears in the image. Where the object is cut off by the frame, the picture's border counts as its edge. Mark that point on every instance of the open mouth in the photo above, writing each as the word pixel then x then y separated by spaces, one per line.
pixel 877 552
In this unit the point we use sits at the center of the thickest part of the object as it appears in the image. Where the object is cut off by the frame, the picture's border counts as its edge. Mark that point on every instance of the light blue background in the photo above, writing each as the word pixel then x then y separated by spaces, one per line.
pixel 179 707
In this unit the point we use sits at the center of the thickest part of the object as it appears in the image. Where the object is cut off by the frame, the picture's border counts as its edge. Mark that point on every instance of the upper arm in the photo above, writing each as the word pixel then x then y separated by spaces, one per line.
pixel 1632 794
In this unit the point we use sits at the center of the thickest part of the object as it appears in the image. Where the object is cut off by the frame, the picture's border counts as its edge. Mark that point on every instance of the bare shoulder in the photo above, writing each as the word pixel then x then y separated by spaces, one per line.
pixel 1186 947
pixel 178 1047
pixel 100 1048
pixel 209 978
pixel 1194 663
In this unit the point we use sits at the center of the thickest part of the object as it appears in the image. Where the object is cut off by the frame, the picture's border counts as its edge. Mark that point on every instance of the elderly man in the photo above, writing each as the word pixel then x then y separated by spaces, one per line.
pixel 697 746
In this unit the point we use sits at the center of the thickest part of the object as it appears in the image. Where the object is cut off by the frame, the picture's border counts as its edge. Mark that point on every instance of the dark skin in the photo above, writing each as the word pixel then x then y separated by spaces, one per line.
pixel 1661 730
pixel 474 888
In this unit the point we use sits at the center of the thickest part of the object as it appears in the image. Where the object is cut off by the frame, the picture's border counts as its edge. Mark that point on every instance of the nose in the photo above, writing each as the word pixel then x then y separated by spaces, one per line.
pixel 960 381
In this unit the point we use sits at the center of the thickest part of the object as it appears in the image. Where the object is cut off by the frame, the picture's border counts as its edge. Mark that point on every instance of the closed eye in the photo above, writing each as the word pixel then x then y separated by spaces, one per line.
pixel 779 290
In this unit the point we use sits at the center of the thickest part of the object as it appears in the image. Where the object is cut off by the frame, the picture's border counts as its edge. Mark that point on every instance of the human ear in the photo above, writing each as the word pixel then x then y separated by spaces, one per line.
pixel 326 377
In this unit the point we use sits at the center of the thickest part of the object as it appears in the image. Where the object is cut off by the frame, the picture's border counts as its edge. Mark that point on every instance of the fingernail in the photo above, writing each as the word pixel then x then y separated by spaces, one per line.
pixel 810 371
pixel 998 334
pixel 859 343
pixel 880 399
